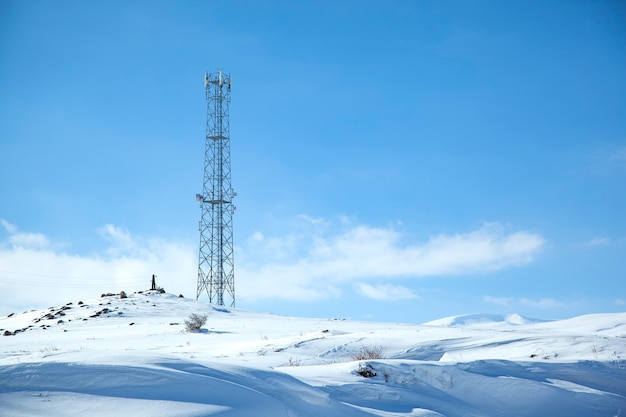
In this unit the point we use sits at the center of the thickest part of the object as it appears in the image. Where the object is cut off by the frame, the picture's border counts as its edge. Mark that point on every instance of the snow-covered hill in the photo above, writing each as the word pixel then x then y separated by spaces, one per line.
pixel 483 319
pixel 112 356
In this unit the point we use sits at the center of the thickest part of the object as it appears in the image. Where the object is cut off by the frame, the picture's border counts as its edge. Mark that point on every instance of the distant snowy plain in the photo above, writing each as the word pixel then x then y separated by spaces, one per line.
pixel 110 356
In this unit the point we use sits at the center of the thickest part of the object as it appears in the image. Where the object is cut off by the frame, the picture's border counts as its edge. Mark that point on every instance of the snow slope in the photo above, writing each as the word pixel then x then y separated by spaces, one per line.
pixel 132 356
pixel 483 319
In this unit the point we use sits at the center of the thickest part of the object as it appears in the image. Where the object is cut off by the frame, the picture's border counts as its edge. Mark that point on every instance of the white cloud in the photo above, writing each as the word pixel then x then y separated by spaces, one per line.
pixel 10 228
pixel 599 241
pixel 316 264
pixel 543 303
pixel 257 237
pixel 502 301
pixel 385 292
pixel 602 241
pixel 34 272
pixel 19 239
pixel 120 236
pixel 312 220
pixel 314 261
pixel 29 240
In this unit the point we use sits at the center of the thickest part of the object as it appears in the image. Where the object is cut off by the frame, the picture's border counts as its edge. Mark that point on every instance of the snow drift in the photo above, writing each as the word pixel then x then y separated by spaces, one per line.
pixel 132 356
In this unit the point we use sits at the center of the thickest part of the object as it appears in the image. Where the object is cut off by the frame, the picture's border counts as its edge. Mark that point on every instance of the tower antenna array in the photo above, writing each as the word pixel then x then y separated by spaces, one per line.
pixel 216 265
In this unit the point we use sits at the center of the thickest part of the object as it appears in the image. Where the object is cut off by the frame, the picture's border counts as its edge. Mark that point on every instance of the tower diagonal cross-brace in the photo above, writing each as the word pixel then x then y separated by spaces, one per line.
pixel 216 264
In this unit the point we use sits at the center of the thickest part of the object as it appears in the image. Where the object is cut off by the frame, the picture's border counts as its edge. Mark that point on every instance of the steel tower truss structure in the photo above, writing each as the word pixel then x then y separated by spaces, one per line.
pixel 216 264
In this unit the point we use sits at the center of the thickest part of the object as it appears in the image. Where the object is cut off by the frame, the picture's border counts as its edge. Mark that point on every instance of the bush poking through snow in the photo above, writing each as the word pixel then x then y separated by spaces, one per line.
pixel 366 371
pixel 195 322
pixel 294 362
pixel 369 352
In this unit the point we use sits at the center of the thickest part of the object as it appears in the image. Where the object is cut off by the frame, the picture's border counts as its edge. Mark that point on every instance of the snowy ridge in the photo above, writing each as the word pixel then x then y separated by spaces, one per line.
pixel 483 319
pixel 134 355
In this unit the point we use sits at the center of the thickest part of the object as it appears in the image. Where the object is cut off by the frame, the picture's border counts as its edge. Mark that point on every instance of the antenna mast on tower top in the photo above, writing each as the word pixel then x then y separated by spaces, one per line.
pixel 216 263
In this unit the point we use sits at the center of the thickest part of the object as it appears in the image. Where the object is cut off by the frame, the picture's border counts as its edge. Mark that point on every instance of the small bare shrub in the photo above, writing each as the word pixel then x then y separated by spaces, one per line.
pixel 294 362
pixel 49 349
pixel 195 322
pixel 366 371
pixel 369 352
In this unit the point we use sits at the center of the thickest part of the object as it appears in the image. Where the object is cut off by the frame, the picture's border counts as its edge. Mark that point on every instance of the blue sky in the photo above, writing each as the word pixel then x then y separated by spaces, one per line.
pixel 396 160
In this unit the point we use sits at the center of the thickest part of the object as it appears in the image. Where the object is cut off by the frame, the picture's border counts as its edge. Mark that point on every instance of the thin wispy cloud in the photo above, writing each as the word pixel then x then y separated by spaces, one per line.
pixel 385 292
pixel 619 155
pixel 502 301
pixel 10 228
pixel 317 264
pixel 543 303
pixel 19 239
pixel 599 241
pixel 318 261
pixel 609 160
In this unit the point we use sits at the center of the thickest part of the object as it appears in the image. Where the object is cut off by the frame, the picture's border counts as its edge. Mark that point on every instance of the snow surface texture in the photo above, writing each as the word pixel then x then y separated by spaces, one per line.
pixel 112 356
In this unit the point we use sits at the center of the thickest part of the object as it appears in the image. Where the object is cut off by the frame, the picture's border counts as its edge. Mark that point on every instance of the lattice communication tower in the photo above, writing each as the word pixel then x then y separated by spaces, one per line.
pixel 216 265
